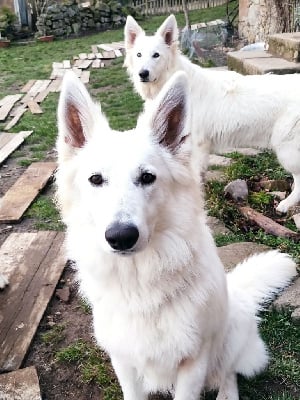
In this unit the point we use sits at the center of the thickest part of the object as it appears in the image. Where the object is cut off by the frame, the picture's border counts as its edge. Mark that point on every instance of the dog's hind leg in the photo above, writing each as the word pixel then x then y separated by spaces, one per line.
pixel 229 388
pixel 132 386
pixel 293 198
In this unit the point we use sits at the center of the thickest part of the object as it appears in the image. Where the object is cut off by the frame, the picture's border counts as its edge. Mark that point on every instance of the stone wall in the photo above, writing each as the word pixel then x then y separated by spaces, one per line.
pixel 258 19
pixel 62 20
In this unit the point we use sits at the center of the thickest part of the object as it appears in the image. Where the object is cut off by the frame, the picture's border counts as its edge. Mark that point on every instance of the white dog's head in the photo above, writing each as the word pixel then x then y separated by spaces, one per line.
pixel 150 60
pixel 120 184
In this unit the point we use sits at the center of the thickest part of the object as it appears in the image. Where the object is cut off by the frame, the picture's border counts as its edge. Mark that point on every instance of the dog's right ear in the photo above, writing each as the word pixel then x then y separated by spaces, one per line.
pixel 169 30
pixel 171 117
pixel 131 31
pixel 75 113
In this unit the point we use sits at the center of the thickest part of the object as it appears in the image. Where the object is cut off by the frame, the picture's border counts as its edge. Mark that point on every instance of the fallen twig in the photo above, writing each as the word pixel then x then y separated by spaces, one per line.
pixel 267 224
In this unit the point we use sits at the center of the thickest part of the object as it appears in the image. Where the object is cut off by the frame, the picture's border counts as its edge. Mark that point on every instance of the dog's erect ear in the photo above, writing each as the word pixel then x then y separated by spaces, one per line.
pixel 170 121
pixel 75 112
pixel 131 31
pixel 168 30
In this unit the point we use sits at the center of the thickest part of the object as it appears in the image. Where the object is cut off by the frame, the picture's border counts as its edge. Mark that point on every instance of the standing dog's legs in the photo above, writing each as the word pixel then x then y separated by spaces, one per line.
pixel 293 198
pixel 131 385
pixel 229 388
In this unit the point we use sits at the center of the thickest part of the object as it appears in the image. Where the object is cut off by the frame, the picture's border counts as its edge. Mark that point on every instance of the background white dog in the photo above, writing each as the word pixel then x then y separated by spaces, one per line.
pixel 228 109
pixel 162 306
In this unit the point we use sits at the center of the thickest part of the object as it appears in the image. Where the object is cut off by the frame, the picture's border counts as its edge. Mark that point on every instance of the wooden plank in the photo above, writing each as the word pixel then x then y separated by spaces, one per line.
pixel 108 54
pixel 33 263
pixel 91 56
pixel 42 95
pixel 96 64
pixel 118 53
pixel 55 85
pixel 44 84
pixel 19 197
pixel 33 91
pixel 83 56
pixel 77 71
pixel 85 76
pixel 22 384
pixel 14 142
pixel 85 64
pixel 34 107
pixel 105 47
pixel 5 138
pixel 99 55
pixel 17 115
pixel 8 105
pixel 66 64
pixel 28 86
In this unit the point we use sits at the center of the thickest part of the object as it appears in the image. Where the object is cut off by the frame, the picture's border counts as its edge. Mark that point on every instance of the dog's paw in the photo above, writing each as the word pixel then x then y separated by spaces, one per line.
pixel 3 282
pixel 283 207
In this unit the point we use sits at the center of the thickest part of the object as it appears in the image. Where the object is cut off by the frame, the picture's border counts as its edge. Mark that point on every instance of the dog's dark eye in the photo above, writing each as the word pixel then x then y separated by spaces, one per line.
pixel 155 55
pixel 96 180
pixel 146 178
pixel 139 55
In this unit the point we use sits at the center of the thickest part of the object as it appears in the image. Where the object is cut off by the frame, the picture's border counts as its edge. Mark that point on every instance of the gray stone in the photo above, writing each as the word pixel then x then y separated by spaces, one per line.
pixel 259 63
pixel 220 161
pixel 237 190
pixel 234 253
pixel 285 45
pixel 216 226
pixel 290 299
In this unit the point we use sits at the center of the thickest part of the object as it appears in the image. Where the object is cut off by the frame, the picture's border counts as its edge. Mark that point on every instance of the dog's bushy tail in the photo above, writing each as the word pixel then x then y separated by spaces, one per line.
pixel 263 275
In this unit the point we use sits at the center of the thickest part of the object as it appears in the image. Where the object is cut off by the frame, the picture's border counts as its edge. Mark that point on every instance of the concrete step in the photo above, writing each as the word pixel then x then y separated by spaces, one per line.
pixel 285 45
pixel 259 63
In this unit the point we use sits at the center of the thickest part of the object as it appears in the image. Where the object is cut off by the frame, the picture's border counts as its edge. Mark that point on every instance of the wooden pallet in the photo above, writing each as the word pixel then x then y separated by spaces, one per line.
pixel 22 384
pixel 19 197
pixel 10 142
pixel 33 263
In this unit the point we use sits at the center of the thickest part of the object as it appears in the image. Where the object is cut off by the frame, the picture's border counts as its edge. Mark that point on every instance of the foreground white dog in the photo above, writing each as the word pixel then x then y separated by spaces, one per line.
pixel 229 110
pixel 162 306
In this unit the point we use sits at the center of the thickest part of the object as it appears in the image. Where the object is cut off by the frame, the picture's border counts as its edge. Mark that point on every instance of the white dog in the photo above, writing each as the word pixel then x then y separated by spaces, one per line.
pixel 228 109
pixel 163 308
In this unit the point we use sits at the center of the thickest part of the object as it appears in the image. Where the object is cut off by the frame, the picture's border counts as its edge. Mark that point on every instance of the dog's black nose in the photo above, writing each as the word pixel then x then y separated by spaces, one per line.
pixel 122 237
pixel 144 74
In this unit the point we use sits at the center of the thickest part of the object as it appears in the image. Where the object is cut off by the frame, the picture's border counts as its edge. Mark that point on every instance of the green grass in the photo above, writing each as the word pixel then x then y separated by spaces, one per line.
pixel 45 214
pixel 54 335
pixel 94 366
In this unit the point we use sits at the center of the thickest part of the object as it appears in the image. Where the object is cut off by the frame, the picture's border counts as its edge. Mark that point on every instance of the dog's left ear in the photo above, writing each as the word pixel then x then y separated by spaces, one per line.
pixel 131 31
pixel 169 30
pixel 170 121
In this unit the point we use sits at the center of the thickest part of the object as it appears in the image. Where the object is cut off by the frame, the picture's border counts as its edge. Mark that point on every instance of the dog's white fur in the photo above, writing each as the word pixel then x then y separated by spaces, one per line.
pixel 163 309
pixel 228 109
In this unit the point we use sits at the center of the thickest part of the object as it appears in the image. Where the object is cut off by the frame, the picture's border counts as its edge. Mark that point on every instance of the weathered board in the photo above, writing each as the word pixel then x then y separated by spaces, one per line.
pixel 19 197
pixel 33 263
pixel 34 107
pixel 16 116
pixel 22 384
pixel 28 86
pixel 91 56
pixel 8 105
pixel 15 139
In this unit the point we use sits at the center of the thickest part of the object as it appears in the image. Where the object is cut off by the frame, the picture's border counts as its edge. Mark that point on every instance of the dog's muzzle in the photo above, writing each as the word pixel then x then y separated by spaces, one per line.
pixel 144 75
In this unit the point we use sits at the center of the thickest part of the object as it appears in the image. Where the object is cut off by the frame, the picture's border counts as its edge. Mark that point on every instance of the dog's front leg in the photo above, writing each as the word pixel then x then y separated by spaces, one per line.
pixel 131 385
pixel 191 377
pixel 229 388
